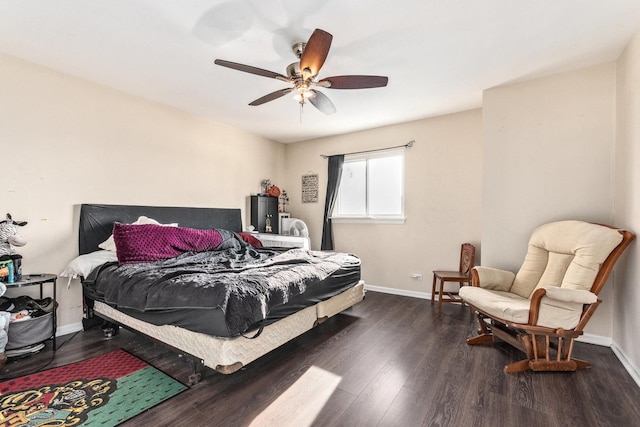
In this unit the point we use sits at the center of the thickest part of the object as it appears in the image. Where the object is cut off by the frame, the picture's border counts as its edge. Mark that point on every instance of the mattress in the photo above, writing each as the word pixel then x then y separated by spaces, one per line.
pixel 282 297
pixel 212 321
pixel 227 355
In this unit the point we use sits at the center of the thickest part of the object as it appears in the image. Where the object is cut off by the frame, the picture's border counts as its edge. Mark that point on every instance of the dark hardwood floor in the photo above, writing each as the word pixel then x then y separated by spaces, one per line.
pixel 388 361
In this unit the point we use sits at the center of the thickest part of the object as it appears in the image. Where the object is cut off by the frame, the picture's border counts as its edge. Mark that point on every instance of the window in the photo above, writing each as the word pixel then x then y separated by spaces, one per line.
pixel 371 188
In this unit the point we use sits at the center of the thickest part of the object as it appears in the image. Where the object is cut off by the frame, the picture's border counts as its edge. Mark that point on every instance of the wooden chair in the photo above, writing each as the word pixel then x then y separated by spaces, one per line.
pixel 462 277
pixel 543 308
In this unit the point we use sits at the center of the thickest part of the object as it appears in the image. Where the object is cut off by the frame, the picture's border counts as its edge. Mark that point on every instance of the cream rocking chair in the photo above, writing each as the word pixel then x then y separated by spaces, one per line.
pixel 545 306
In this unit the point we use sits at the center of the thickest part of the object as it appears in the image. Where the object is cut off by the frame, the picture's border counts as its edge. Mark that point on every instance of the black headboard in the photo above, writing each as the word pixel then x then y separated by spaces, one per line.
pixel 96 221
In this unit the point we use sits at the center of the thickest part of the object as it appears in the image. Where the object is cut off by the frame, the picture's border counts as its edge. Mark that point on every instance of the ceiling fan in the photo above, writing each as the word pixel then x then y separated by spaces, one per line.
pixel 303 75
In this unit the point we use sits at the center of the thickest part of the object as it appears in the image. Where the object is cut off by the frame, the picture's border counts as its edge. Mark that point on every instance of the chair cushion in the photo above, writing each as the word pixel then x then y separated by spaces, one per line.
pixel 494 278
pixel 514 308
pixel 559 314
pixel 503 305
pixel 567 254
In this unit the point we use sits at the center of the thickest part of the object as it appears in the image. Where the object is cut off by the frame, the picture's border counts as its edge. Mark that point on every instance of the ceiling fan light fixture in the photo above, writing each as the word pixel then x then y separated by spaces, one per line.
pixel 302 94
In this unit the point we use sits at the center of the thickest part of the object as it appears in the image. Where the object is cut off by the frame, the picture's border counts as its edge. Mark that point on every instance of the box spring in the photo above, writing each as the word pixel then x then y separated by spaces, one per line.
pixel 226 355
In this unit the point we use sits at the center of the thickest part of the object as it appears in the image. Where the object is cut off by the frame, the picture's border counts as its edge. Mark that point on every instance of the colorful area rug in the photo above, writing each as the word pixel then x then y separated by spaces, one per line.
pixel 101 391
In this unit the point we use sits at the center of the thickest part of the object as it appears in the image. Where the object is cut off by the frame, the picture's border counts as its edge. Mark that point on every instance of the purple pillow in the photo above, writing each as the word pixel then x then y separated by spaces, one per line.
pixel 149 242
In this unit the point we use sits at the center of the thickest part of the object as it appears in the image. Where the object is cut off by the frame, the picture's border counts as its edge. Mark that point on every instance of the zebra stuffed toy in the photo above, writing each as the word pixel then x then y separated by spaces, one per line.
pixel 9 237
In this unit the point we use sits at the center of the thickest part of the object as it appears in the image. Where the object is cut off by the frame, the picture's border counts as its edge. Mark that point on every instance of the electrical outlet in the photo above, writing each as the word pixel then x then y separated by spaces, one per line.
pixel 417 276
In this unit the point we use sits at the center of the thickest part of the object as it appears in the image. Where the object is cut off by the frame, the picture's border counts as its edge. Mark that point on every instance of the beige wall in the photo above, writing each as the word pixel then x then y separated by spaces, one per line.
pixel 66 141
pixel 442 198
pixel 548 155
pixel 538 151
pixel 626 320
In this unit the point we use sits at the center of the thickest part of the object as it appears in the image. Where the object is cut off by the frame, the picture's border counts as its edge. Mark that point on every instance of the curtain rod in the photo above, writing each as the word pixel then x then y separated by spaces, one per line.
pixel 407 145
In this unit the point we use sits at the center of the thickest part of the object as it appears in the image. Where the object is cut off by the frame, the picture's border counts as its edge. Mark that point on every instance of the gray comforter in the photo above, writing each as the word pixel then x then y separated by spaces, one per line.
pixel 242 281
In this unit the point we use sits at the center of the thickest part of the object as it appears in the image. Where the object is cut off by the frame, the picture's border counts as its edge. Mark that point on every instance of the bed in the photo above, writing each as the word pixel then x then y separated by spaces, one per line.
pixel 225 305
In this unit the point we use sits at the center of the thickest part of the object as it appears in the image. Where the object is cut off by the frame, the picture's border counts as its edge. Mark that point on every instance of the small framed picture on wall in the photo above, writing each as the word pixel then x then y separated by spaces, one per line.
pixel 310 188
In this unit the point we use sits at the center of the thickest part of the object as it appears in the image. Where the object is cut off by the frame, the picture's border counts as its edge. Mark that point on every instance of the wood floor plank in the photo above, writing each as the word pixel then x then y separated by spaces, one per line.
pixel 373 402
pixel 356 379
pixel 389 361
pixel 408 406
pixel 337 405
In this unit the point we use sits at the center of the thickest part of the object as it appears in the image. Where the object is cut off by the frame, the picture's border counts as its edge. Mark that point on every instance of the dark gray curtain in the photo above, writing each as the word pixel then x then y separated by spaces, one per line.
pixel 333 182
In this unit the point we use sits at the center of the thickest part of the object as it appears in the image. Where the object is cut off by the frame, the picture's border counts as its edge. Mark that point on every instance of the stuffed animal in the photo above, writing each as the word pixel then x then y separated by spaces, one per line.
pixel 4 330
pixel 9 237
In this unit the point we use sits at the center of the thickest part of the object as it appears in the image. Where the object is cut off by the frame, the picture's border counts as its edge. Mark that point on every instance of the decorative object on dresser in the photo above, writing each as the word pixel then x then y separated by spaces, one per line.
pixel 264 186
pixel 264 212
pixel 543 308
pixel 283 201
pixel 270 295
pixel 273 191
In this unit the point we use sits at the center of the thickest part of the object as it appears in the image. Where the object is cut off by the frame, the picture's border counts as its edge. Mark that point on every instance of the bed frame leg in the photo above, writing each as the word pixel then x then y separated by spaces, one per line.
pixel 195 376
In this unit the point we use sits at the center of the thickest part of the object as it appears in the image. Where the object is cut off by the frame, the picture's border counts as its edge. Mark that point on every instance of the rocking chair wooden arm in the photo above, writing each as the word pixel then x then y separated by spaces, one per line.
pixel 475 279
pixel 559 294
pixel 534 307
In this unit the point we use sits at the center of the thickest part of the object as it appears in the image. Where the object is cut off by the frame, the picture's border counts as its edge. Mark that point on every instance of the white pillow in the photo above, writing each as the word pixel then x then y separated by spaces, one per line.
pixel 84 264
pixel 110 245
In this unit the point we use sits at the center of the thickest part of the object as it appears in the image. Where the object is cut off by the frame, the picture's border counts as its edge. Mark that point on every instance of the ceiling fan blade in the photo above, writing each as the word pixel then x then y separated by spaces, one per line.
pixel 251 70
pixel 270 97
pixel 322 103
pixel 353 82
pixel 315 53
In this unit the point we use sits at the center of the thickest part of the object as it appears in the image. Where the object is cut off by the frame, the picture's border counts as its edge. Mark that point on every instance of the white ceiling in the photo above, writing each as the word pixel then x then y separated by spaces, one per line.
pixel 439 55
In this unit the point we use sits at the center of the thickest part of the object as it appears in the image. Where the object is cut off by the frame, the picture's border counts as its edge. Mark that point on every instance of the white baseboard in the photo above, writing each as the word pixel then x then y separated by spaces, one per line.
pixel 68 329
pixel 628 365
pixel 595 339
pixel 394 291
